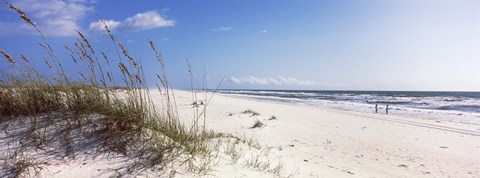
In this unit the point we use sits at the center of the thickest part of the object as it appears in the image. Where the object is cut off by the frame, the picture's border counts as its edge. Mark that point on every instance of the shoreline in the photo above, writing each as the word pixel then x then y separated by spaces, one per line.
pixel 399 111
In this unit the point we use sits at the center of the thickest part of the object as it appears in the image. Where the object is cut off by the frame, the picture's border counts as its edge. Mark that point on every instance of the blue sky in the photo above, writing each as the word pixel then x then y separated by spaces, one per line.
pixel 271 44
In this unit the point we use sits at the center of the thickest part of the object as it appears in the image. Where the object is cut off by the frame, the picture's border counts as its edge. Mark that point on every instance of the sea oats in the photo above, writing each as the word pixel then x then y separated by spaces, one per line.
pixel 86 42
pixel 105 57
pixel 71 52
pixel 107 29
pixel 48 63
pixel 138 78
pixel 22 14
pixel 125 52
pixel 9 58
pixel 124 69
pixel 24 58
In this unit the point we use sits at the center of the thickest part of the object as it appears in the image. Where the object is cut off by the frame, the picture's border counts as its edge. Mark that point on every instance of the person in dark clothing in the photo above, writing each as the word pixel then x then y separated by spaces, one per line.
pixel 386 109
pixel 376 108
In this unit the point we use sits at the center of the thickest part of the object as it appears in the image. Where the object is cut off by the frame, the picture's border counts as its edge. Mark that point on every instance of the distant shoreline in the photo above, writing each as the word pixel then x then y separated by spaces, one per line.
pixel 452 106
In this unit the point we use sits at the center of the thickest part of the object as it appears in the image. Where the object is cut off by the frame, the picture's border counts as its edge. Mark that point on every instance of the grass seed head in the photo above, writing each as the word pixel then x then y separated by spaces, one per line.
pixel 24 58
pixel 48 63
pixel 9 58
pixel 22 14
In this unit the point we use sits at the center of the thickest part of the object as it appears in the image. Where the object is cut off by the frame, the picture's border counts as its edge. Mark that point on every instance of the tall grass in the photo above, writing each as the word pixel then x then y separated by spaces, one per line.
pixel 117 110
pixel 129 123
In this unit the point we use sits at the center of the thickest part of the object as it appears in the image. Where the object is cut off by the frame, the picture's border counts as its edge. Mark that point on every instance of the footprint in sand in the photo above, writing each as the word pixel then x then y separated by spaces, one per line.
pixel 425 172
pixel 349 172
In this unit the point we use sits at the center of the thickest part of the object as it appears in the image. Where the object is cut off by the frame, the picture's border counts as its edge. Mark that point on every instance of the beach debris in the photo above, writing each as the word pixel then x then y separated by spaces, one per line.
pixel 402 165
pixel 272 118
pixel 445 147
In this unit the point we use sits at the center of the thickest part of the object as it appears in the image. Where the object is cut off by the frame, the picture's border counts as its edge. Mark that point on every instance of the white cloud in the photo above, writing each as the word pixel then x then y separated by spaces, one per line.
pixel 222 28
pixel 147 20
pixel 98 25
pixel 63 17
pixel 279 80
pixel 53 17
pixel 140 21
pixel 263 31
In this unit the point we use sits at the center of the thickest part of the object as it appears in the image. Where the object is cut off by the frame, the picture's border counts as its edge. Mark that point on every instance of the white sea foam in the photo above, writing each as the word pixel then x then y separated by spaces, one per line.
pixel 451 106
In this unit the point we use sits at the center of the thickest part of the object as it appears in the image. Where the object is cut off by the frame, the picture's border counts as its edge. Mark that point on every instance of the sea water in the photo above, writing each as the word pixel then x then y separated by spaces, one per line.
pixel 453 106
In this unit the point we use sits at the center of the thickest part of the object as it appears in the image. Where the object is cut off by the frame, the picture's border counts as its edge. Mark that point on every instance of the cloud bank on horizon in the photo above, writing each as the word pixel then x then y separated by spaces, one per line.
pixel 279 80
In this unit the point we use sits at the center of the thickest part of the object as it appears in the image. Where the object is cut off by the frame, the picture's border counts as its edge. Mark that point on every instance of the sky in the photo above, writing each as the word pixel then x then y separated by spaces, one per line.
pixel 429 45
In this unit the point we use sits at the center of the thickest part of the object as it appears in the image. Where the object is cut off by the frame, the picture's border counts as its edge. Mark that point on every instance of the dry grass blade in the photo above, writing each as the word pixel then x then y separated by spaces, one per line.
pixel 109 77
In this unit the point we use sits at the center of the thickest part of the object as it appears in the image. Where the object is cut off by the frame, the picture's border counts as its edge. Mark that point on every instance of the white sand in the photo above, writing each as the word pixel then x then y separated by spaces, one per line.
pixel 315 142
pixel 319 142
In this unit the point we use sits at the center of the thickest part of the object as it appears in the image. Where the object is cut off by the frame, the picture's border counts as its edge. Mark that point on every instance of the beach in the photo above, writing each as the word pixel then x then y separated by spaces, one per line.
pixel 293 140
pixel 315 141
pixel 232 89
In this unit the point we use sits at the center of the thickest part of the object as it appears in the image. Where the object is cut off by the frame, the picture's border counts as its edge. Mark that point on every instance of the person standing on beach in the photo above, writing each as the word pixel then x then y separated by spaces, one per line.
pixel 376 108
pixel 386 109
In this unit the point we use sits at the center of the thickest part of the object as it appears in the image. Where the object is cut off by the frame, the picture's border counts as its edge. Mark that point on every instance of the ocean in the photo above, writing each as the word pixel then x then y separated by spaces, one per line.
pixel 452 106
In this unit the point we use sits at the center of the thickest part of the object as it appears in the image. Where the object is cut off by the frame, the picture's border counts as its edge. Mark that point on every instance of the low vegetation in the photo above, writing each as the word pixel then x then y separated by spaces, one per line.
pixel 251 112
pixel 57 105
pixel 96 112
pixel 257 124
